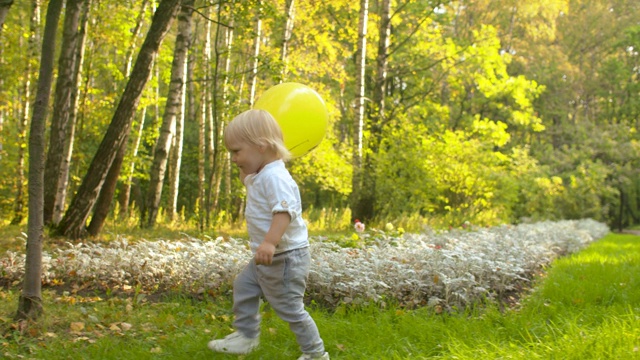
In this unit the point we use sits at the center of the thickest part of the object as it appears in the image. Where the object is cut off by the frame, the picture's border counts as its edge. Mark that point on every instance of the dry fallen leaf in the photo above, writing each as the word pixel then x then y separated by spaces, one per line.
pixel 76 327
pixel 33 331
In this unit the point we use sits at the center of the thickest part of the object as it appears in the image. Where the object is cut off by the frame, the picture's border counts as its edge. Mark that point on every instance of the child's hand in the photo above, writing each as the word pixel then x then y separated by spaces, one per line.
pixel 264 254
pixel 279 223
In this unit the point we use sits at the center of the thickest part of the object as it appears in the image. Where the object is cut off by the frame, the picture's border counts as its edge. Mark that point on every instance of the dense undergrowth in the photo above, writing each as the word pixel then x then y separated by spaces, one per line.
pixel 585 305
pixel 438 269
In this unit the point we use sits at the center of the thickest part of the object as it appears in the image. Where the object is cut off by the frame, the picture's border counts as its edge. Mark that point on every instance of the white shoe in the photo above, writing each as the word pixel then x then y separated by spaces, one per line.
pixel 324 356
pixel 235 343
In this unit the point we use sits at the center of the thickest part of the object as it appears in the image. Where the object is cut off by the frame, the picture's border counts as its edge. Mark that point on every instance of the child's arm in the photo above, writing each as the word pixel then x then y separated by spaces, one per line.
pixel 279 223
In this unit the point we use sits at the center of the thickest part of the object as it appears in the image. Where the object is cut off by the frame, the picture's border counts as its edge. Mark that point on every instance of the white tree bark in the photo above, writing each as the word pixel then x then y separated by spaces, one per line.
pixel 65 87
pixel 172 112
pixel 256 54
pixel 286 37
pixel 175 160
pixel 223 47
pixel 63 184
pixel 358 120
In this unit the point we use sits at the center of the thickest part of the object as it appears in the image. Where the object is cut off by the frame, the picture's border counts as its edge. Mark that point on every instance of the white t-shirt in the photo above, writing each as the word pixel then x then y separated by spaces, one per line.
pixel 270 191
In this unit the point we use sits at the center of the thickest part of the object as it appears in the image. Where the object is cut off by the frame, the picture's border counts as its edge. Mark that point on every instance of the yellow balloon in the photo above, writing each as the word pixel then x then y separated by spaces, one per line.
pixel 300 112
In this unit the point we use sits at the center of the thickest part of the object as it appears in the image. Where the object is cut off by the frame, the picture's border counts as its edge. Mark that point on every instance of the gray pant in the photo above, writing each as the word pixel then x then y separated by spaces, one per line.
pixel 283 284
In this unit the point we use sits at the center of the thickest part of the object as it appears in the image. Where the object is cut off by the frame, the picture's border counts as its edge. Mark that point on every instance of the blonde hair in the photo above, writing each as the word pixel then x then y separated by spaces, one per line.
pixel 259 128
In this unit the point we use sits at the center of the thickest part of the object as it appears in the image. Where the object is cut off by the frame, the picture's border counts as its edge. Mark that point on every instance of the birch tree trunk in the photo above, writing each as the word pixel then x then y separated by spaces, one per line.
pixel 134 36
pixel 102 208
pixel 103 203
pixel 175 158
pixel 256 54
pixel 61 197
pixel 219 111
pixel 125 195
pixel 126 191
pixel 66 84
pixel 288 30
pixel 367 193
pixel 205 104
pixel 358 121
pixel 32 51
pixel 73 223
pixel 171 112
pixel 30 301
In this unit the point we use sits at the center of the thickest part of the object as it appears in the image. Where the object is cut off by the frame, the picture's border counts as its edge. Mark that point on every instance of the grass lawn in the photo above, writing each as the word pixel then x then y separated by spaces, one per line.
pixel 586 306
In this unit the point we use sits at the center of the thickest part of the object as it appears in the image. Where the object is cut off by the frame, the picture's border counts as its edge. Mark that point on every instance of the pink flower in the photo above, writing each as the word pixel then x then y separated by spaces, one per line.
pixel 359 226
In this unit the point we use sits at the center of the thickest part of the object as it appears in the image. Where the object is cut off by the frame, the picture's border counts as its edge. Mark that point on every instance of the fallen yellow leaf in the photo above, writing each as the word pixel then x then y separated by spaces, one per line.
pixel 76 326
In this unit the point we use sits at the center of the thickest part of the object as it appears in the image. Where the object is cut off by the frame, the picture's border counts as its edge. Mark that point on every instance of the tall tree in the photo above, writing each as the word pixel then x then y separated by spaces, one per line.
pixel 134 35
pixel 125 194
pixel 219 106
pixel 175 156
pixel 290 7
pixel 173 110
pixel 74 221
pixel 103 203
pixel 365 207
pixel 358 120
pixel 30 301
pixel 205 105
pixel 257 39
pixel 32 49
pixel 65 86
pixel 61 197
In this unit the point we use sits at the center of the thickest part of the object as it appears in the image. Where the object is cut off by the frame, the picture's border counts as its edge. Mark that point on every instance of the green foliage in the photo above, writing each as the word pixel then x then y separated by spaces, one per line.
pixel 494 111
pixel 455 177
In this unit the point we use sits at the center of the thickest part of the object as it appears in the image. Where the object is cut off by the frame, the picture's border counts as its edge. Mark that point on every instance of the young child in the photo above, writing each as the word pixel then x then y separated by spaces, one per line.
pixel 279 241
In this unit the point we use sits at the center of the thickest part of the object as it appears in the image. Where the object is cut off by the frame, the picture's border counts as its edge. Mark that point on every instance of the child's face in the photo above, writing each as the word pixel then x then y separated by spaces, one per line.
pixel 248 157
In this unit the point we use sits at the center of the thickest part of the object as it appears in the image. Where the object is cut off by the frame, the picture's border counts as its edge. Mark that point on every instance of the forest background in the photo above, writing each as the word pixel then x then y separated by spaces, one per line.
pixel 441 112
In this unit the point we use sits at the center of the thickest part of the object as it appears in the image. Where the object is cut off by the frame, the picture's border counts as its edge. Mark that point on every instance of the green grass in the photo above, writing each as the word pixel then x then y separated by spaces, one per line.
pixel 586 306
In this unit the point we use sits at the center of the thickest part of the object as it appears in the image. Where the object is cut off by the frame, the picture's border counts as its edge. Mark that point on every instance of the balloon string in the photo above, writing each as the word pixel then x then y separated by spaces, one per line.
pixel 302 143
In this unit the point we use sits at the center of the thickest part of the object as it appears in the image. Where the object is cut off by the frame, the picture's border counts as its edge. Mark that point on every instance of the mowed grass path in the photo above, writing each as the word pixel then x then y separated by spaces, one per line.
pixel 586 306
